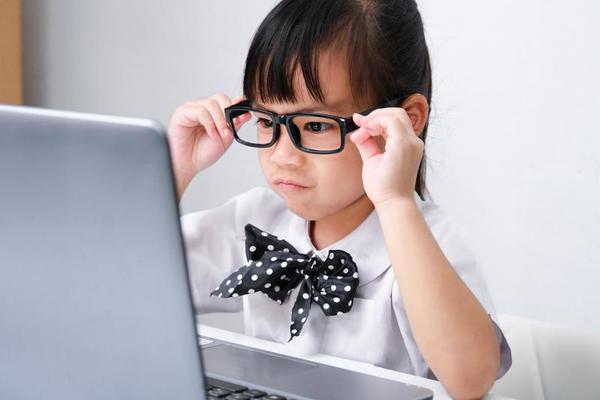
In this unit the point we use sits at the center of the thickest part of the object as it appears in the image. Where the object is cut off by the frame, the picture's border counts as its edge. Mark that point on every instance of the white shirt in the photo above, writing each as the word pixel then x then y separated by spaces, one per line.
pixel 375 330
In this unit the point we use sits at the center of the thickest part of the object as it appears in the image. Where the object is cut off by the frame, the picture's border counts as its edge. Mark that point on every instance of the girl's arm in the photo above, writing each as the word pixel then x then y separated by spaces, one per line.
pixel 451 328
pixel 453 331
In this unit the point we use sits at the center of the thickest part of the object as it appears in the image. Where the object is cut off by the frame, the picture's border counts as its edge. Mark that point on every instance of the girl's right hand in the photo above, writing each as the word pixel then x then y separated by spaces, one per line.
pixel 199 135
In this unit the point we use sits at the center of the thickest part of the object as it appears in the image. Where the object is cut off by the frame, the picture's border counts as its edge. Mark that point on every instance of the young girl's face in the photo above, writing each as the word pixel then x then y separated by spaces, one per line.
pixel 327 183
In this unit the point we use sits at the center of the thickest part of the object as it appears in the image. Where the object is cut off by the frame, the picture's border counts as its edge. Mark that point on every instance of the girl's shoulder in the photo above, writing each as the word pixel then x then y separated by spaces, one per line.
pixel 259 206
pixel 450 234
pixel 436 216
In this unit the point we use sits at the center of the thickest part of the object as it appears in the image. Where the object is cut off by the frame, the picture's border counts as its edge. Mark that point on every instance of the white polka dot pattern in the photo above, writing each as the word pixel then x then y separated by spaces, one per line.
pixel 330 283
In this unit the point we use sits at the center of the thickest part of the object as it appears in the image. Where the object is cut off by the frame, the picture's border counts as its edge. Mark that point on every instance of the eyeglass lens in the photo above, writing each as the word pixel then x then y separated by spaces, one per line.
pixel 313 132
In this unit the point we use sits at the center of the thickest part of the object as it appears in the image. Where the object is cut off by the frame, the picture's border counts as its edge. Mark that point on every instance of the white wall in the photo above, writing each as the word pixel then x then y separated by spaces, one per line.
pixel 517 149
pixel 513 148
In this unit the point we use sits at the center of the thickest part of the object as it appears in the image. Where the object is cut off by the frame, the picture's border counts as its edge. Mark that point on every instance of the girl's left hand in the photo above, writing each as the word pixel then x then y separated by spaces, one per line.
pixel 393 172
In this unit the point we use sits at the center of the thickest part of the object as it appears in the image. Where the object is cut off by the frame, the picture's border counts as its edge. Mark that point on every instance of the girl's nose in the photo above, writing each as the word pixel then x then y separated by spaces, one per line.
pixel 284 152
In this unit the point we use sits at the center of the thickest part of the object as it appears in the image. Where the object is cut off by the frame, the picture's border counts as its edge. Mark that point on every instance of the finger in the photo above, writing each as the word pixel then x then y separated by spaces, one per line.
pixel 241 120
pixel 238 99
pixel 227 140
pixel 216 111
pixel 397 112
pixel 222 99
pixel 225 102
pixel 373 129
pixel 396 117
pixel 194 116
pixel 222 131
pixel 365 143
pixel 394 126
pixel 226 133
pixel 386 110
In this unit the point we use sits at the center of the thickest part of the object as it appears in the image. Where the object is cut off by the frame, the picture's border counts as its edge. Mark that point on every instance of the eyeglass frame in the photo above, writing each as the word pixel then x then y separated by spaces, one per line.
pixel 346 124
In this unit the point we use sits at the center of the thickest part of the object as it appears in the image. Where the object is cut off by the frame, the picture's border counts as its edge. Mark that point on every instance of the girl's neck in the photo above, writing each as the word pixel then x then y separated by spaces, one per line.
pixel 332 228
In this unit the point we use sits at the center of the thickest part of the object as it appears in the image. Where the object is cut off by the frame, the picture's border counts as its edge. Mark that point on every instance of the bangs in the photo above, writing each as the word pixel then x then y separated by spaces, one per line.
pixel 295 34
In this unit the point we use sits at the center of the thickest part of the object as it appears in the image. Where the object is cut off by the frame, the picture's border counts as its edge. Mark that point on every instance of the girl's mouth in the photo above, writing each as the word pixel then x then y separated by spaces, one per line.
pixel 289 185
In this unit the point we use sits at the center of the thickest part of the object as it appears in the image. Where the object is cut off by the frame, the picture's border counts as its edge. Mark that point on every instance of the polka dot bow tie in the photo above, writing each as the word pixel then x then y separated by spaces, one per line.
pixel 275 267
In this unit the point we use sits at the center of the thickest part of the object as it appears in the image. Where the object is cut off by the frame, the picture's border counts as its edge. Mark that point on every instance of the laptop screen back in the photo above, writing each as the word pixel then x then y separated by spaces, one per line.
pixel 94 295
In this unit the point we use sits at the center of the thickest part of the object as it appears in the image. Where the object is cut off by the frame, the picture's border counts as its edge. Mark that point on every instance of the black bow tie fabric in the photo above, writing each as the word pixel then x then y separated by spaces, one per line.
pixel 275 267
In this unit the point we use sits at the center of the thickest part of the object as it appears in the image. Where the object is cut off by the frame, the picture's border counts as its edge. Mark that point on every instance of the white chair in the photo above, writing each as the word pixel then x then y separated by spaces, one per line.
pixel 550 361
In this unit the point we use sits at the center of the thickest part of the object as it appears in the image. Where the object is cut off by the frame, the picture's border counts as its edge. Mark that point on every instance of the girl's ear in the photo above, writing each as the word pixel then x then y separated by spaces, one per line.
pixel 418 110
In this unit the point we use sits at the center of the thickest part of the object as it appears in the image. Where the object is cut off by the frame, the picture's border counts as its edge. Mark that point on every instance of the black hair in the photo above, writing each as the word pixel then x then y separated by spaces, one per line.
pixel 383 40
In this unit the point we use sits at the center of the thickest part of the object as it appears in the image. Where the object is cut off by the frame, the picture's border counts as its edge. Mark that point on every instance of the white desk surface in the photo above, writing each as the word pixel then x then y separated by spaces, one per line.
pixel 237 338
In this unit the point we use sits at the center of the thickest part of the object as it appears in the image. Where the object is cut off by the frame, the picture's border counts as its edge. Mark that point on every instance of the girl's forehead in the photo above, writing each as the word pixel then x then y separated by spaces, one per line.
pixel 333 82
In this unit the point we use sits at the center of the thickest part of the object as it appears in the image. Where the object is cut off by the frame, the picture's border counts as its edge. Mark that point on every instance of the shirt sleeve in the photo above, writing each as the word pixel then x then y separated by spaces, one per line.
pixel 214 243
pixel 450 238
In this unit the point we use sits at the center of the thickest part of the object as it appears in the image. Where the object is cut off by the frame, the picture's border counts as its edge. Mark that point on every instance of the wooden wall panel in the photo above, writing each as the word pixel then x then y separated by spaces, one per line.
pixel 11 87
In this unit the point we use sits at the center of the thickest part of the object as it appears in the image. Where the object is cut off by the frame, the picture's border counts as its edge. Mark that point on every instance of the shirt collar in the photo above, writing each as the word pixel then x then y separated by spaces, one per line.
pixel 365 244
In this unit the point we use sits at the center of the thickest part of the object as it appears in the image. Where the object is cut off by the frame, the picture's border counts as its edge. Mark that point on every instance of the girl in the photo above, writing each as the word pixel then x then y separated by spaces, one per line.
pixel 342 253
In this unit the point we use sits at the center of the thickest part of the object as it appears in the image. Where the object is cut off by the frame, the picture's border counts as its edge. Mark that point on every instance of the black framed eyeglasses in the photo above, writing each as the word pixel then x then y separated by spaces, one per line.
pixel 314 133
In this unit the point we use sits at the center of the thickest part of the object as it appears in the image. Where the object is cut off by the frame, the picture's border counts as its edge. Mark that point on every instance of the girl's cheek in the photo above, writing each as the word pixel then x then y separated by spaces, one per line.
pixel 354 158
pixel 350 147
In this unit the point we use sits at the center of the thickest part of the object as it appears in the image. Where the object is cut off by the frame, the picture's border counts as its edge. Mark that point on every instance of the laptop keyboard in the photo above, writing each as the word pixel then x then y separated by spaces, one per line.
pixel 217 389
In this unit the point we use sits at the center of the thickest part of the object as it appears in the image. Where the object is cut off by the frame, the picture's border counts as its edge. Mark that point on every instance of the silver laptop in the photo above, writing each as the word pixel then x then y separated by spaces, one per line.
pixel 94 291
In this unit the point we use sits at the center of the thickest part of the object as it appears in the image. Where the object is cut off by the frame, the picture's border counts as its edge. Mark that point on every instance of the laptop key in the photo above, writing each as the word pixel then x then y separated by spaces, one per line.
pixel 254 393
pixel 218 392
pixel 230 391
pixel 232 387
pixel 238 396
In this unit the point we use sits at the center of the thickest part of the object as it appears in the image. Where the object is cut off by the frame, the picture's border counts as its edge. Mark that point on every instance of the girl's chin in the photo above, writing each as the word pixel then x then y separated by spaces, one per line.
pixel 309 212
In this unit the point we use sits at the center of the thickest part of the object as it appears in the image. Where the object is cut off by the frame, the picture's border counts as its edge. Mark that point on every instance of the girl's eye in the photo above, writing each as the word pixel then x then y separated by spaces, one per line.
pixel 265 123
pixel 317 126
